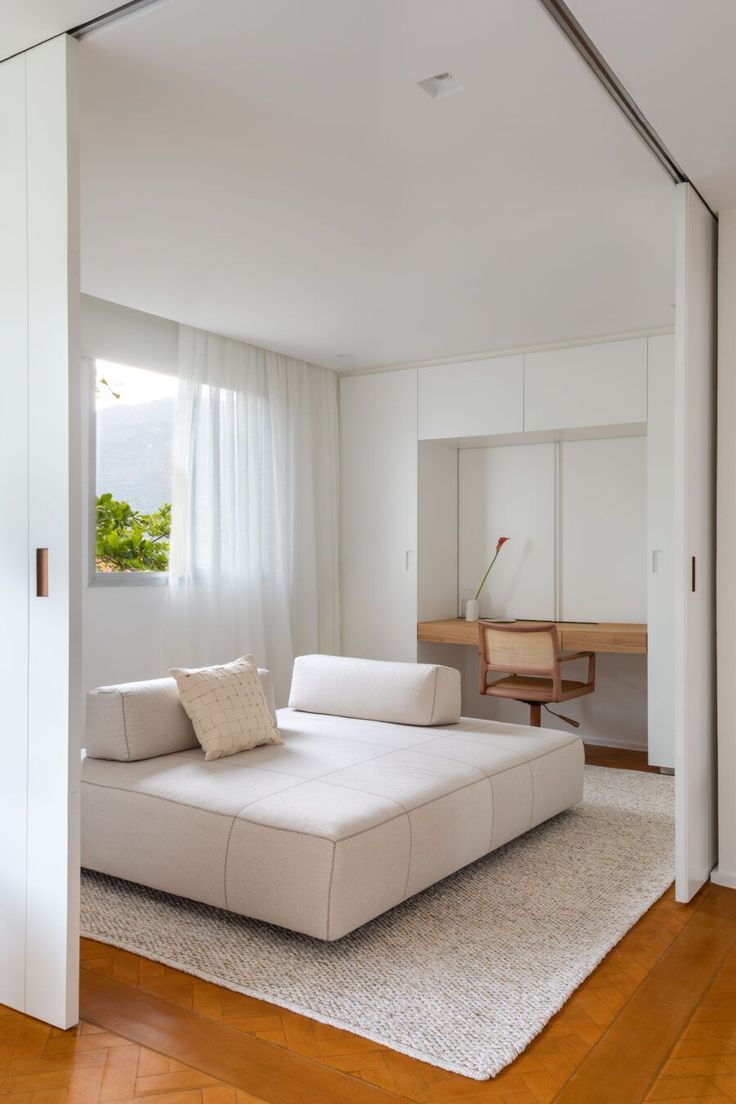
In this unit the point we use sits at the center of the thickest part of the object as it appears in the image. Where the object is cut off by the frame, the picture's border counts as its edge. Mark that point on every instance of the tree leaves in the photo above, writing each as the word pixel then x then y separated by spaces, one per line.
pixel 130 541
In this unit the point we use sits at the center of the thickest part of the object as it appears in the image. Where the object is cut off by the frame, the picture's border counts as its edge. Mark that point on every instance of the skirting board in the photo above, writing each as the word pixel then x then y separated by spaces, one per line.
pixel 610 741
pixel 723 878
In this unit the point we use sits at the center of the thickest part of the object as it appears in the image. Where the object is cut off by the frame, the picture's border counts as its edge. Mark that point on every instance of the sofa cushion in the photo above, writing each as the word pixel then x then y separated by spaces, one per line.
pixel 141 720
pixel 227 707
pixel 369 689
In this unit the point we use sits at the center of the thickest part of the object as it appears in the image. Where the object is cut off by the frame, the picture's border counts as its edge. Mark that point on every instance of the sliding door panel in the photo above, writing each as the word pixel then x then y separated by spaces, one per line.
pixel 14 545
pixel 695 346
pixel 39 560
pixel 54 388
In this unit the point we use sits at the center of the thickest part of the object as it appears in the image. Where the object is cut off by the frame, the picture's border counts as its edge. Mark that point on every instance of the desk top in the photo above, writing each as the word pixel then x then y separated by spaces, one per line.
pixel 629 639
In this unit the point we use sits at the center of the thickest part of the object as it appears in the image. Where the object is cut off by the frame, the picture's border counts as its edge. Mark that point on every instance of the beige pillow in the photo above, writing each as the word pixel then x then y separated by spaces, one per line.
pixel 227 707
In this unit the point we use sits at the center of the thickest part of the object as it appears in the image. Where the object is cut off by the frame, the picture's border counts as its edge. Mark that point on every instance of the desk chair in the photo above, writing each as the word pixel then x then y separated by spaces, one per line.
pixel 531 652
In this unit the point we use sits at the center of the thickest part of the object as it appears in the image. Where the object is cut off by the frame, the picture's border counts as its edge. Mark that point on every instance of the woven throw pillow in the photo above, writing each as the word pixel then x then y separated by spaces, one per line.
pixel 227 707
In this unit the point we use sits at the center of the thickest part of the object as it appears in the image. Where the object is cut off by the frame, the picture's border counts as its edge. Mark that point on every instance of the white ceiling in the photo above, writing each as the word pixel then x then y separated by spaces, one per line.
pixel 676 58
pixel 25 23
pixel 271 171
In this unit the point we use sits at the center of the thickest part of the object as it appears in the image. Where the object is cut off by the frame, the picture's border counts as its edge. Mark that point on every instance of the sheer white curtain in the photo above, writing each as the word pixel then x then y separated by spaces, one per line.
pixel 253 564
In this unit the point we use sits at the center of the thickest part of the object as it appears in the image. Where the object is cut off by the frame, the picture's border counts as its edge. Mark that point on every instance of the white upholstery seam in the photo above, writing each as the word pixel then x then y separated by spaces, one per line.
pixel 414 808
pixel 224 863
pixel 380 824
pixel 434 696
pixel 411 856
pixel 230 835
pixel 329 890
pixel 552 751
pixel 125 727
pixel 184 804
pixel 246 820
pixel 493 812
pixel 534 795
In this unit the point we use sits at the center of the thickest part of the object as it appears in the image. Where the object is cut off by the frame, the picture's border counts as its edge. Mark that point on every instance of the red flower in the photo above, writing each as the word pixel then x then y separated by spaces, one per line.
pixel 501 541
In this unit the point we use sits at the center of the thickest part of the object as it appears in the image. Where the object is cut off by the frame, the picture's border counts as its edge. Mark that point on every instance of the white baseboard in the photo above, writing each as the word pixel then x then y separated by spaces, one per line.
pixel 607 741
pixel 723 878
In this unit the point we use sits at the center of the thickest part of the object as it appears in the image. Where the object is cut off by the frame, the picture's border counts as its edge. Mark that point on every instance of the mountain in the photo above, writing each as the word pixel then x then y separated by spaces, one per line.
pixel 134 453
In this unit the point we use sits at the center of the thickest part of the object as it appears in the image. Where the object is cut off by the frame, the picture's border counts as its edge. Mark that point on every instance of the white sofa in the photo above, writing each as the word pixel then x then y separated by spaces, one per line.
pixel 379 790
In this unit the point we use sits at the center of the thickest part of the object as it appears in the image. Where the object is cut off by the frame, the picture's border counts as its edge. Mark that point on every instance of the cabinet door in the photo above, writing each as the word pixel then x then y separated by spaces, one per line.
pixel 588 385
pixel 378 452
pixel 603 530
pixel 473 399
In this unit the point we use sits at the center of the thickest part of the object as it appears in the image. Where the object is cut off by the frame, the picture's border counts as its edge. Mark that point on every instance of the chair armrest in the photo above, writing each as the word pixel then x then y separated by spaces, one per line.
pixel 590 656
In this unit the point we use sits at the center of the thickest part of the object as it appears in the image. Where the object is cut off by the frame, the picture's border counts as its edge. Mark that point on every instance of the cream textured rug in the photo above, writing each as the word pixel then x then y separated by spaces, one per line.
pixel 465 974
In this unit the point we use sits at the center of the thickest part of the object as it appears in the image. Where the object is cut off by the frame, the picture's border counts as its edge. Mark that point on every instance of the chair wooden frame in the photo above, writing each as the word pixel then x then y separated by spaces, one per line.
pixel 535 697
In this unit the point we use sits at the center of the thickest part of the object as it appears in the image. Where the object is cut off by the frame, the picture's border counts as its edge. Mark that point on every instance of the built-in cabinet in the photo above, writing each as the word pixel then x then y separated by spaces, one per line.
pixel 567 451
pixel 471 398
pixel 572 388
pixel 378 515
pixel 602 530
pixel 587 385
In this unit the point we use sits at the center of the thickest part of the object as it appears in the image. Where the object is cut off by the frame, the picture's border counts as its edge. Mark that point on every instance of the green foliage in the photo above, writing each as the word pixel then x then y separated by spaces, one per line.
pixel 129 541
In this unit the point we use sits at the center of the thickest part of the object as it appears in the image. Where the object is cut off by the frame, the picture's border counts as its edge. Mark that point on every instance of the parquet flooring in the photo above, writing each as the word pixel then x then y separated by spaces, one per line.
pixel 534 1078
pixel 88 1065
pixel 656 1021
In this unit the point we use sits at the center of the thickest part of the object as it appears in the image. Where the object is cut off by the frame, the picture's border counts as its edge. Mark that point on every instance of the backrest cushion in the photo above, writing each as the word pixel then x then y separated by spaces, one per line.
pixel 140 720
pixel 374 690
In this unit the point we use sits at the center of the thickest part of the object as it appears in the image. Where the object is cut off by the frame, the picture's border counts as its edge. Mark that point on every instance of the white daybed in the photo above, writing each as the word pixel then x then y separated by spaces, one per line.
pixel 379 790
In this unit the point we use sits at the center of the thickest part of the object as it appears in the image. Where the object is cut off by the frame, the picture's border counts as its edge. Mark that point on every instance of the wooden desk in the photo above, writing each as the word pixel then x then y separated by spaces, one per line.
pixel 574 636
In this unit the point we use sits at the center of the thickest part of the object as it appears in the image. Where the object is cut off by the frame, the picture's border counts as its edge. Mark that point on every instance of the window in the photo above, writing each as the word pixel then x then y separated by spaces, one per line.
pixel 134 424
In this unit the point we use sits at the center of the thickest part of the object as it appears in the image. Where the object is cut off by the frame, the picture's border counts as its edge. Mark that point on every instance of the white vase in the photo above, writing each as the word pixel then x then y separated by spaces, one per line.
pixel 472 609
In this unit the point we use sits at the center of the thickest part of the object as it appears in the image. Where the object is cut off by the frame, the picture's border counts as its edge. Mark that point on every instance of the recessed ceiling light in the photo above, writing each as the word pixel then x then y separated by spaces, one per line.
pixel 442 84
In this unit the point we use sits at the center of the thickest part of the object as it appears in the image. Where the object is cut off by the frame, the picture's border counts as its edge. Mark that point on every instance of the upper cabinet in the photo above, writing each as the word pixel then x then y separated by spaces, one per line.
pixel 471 399
pixel 587 385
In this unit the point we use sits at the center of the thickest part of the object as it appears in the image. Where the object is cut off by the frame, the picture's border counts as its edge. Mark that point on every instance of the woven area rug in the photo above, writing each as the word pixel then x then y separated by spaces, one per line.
pixel 463 975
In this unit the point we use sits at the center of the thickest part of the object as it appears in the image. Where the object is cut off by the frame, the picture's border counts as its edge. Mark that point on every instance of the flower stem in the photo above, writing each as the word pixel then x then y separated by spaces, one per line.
pixel 488 572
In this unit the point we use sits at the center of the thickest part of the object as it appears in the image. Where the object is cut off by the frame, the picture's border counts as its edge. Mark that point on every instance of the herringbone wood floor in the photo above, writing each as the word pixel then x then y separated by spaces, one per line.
pixel 656 1021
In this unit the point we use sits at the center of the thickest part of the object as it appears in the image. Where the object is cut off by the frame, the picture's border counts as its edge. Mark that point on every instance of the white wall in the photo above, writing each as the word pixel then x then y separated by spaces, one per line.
pixel 437 530
pixel 509 491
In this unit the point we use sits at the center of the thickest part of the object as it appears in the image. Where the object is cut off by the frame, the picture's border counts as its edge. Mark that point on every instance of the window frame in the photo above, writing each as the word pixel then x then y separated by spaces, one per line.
pixel 106 578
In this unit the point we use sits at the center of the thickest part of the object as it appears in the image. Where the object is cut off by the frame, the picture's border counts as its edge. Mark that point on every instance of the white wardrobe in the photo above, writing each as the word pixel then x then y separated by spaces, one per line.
pixel 567 451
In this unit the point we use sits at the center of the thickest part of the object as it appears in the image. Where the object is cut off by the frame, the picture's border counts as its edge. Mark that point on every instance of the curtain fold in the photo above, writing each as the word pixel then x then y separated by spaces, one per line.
pixel 254 563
